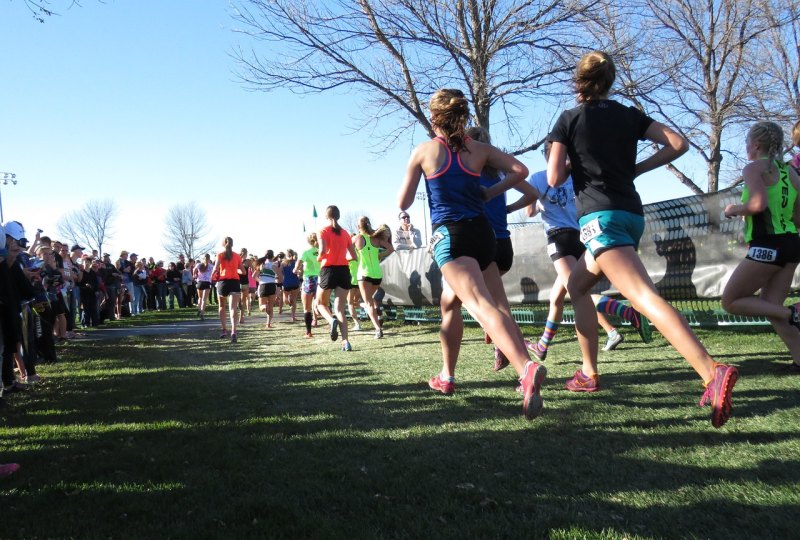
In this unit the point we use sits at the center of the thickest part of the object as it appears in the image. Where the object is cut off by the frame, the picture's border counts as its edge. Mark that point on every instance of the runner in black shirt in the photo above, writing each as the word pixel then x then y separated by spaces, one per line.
pixel 600 137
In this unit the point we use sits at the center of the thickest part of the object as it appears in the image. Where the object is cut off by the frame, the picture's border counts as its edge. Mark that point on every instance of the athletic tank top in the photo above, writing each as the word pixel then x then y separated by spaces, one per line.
pixel 368 263
pixel 495 210
pixel 454 192
pixel 777 216
pixel 229 269
pixel 310 262
pixel 289 278
pixel 266 274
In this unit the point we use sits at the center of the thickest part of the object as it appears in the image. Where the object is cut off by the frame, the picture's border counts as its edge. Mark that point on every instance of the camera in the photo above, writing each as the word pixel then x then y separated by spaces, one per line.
pixel 35 264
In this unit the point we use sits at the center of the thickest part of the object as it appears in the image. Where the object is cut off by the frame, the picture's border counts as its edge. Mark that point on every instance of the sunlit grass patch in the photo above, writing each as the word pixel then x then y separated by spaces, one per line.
pixel 192 436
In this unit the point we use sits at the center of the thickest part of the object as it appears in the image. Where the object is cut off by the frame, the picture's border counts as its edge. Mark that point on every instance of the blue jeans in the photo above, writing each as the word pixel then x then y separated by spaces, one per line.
pixel 161 296
pixel 175 290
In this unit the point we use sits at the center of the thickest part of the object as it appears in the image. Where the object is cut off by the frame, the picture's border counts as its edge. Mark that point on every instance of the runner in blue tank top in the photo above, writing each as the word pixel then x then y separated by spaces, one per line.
pixel 463 242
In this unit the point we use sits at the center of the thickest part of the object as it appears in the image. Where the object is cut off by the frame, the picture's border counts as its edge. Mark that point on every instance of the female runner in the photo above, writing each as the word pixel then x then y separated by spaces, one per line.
pixel 291 283
pixel 202 276
pixel 371 248
pixel 308 269
pixel 244 284
pixel 226 273
pixel 771 213
pixel 600 136
pixel 354 294
pixel 266 285
pixel 335 249
pixel 463 242
pixel 560 220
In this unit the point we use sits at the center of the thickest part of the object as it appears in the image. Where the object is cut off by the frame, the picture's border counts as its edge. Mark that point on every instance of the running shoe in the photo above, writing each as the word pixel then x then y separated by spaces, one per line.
pixel 314 323
pixel 582 383
pixel 223 334
pixel 233 338
pixel 30 379
pixel 538 351
pixel 445 387
pixel 13 388
pixel 8 468
pixel 718 393
pixel 642 326
pixel 531 382
pixel 346 346
pixel 612 342
pixel 308 334
pixel 356 326
pixel 500 360
pixel 379 333
pixel 487 339
pixel 335 330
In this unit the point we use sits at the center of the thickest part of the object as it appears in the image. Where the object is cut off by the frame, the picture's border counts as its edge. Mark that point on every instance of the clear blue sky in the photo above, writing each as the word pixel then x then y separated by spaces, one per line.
pixel 138 101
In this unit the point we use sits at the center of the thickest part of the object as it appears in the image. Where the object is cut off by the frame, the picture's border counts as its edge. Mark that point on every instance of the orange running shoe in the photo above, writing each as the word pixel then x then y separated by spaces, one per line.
pixel 582 383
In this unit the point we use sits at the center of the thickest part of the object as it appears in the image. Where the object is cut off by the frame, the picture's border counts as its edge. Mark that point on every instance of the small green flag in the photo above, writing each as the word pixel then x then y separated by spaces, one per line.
pixel 314 213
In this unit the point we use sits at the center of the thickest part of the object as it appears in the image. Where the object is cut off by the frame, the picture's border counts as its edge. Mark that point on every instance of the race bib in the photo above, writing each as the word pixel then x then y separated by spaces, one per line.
pixel 761 254
pixel 552 249
pixel 591 230
pixel 435 238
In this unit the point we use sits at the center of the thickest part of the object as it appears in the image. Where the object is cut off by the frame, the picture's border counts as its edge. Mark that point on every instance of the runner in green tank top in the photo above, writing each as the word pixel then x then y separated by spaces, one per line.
pixel 776 218
pixel 771 212
pixel 308 269
pixel 371 249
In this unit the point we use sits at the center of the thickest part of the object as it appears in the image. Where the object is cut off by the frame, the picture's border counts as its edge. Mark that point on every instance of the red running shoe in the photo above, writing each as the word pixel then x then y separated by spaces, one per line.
pixel 531 382
pixel 718 392
pixel 500 360
pixel 487 339
pixel 582 383
pixel 445 387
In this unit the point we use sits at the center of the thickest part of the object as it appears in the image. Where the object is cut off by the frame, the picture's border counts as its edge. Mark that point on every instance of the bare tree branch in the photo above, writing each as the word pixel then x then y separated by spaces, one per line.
pixel 90 225
pixel 186 231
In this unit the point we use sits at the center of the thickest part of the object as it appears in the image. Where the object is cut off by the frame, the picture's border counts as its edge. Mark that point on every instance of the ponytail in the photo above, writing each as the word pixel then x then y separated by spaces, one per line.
pixel 228 244
pixel 332 213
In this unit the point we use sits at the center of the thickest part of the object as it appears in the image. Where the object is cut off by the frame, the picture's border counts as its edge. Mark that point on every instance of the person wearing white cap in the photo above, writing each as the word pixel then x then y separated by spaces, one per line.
pixel 16 286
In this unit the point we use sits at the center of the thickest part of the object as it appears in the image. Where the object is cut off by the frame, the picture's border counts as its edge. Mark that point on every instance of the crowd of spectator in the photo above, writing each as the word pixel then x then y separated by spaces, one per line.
pixel 50 289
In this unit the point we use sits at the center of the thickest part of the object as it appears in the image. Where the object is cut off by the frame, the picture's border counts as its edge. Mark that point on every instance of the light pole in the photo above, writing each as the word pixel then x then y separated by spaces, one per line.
pixel 6 178
pixel 422 196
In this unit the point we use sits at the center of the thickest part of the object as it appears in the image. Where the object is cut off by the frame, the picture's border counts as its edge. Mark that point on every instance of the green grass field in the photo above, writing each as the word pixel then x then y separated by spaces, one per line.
pixel 188 436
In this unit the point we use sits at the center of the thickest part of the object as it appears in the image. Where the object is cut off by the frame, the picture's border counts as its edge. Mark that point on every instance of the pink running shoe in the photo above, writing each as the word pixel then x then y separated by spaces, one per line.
pixel 500 360
pixel 8 468
pixel 583 383
pixel 445 387
pixel 718 392
pixel 531 382
pixel 537 350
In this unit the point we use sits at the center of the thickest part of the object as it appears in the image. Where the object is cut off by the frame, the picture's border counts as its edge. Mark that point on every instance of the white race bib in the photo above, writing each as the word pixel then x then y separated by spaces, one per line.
pixel 761 254
pixel 591 230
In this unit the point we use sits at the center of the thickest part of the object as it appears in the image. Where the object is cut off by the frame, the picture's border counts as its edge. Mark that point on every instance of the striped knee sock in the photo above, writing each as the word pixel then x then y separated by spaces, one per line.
pixel 609 306
pixel 548 335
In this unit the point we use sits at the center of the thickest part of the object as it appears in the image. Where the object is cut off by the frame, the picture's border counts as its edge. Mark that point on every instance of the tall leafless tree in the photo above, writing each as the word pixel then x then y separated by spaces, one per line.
pixel 91 225
pixel 706 46
pixel 776 63
pixel 186 231
pixel 394 54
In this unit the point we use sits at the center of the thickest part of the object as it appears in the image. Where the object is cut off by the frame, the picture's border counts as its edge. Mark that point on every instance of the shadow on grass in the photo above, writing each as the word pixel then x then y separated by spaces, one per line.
pixel 204 446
